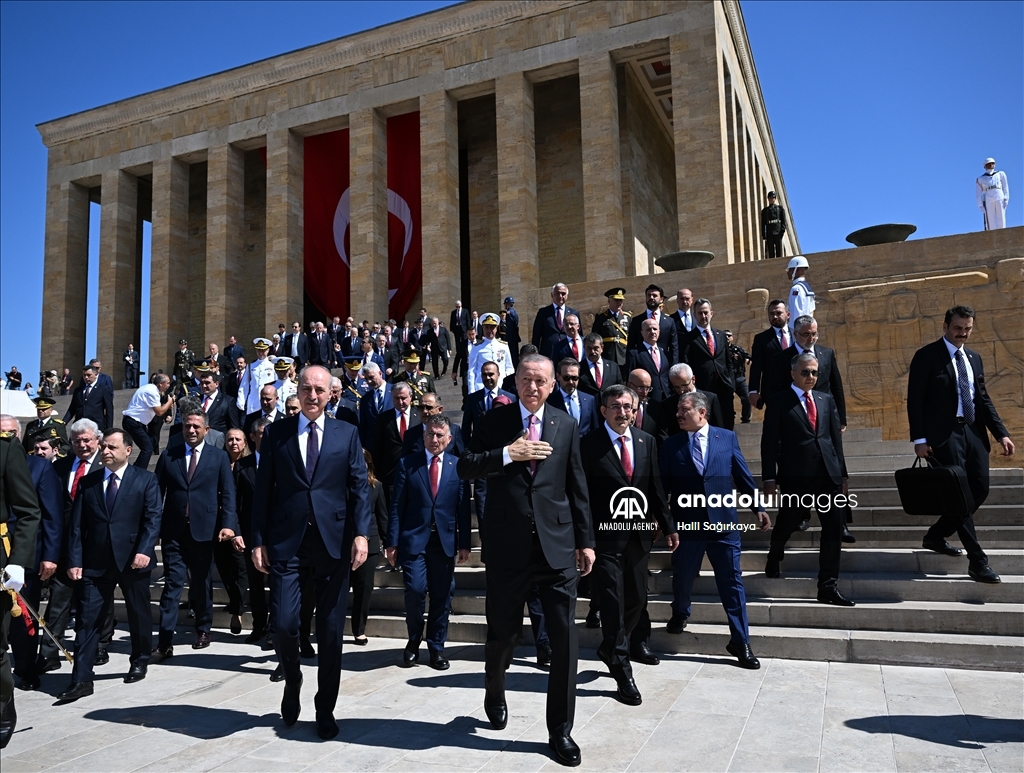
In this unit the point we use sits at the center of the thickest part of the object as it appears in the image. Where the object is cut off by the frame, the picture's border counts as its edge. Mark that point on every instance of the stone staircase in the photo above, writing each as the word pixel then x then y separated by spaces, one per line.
pixel 914 607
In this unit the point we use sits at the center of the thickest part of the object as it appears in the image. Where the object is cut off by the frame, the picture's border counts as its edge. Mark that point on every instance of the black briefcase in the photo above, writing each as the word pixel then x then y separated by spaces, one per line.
pixel 932 489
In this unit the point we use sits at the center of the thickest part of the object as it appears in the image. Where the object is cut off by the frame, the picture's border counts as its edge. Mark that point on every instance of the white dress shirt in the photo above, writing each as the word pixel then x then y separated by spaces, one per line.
pixel 304 432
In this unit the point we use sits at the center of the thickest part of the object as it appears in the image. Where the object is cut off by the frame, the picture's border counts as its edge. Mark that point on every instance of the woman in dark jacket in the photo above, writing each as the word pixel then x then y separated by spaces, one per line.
pixel 243 469
pixel 362 578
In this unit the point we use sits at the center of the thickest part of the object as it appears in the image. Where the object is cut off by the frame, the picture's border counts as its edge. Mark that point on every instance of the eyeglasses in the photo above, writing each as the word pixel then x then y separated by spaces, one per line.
pixel 806 372
pixel 805 334
pixel 621 408
pixel 643 389
pixel 570 378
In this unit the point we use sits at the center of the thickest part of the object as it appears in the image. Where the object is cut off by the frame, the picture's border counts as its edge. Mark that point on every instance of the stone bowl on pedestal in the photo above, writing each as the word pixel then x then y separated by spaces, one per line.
pixel 881 234
pixel 680 261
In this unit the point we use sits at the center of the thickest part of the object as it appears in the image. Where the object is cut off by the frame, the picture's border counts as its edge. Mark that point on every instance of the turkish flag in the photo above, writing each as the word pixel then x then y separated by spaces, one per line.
pixel 326 248
pixel 405 249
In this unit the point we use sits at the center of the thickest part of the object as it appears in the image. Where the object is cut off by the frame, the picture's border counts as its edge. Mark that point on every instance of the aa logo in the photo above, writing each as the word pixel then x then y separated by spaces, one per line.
pixel 628 503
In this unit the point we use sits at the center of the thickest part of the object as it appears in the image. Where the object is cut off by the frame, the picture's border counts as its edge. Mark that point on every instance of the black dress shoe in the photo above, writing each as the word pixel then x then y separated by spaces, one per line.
pixel 438 661
pixel 29 682
pixel 847 537
pixel 744 655
pixel 290 702
pixel 411 653
pixel 937 545
pixel 982 573
pixel 256 636
pixel 162 653
pixel 626 691
pixel 543 655
pixel 771 568
pixel 566 751
pixel 594 618
pixel 642 653
pixel 236 624
pixel 804 525
pixel 278 675
pixel 102 658
pixel 75 691
pixel 46 666
pixel 676 624
pixel 306 649
pixel 8 721
pixel 136 673
pixel 326 726
pixel 360 642
pixel 496 710
pixel 202 641
pixel 830 594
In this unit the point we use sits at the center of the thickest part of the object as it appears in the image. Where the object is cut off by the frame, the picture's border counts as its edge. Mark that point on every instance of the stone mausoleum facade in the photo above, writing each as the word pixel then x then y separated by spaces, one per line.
pixel 566 140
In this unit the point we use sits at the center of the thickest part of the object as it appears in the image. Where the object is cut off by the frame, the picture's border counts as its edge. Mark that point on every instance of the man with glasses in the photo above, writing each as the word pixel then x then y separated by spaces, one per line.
pixel 296 345
pixel 646 415
pixel 568 398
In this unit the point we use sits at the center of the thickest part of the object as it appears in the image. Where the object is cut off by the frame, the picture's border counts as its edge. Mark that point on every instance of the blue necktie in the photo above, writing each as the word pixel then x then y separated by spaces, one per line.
pixel 698 456
pixel 964 386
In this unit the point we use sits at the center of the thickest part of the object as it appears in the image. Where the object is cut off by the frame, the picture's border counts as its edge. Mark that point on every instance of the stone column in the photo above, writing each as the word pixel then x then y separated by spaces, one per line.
pixel 602 168
pixel 66 277
pixel 169 269
pixel 517 186
pixel 439 199
pixel 225 268
pixel 368 209
pixel 284 230
pixel 703 190
pixel 120 294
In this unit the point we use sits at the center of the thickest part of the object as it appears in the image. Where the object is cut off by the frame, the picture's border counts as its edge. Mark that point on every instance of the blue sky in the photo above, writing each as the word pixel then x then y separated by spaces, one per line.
pixel 881 111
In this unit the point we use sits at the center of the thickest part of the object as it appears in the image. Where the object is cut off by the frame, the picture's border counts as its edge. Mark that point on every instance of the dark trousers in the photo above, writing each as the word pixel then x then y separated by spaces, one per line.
pixel 725 397
pixel 507 590
pixel 965 449
pixel 535 609
pixel 25 648
pixel 773 246
pixel 181 555
pixel 724 555
pixel 430 572
pixel 231 568
pixel 362 589
pixel 96 600
pixel 131 377
pixel 58 612
pixel 439 355
pixel 743 392
pixel 620 577
pixel 140 436
pixel 331 576
pixel 461 360
pixel 641 633
pixel 257 594
pixel 832 519
pixel 6 677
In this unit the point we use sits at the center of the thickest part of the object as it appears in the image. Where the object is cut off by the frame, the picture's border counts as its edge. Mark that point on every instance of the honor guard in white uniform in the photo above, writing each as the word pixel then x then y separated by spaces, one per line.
pixel 801 296
pixel 258 374
pixel 488 350
pixel 993 193
pixel 284 370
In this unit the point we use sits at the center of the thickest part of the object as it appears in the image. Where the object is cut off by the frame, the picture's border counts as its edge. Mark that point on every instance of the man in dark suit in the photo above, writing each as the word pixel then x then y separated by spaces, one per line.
pixel 768 344
pixel 706 352
pixel 321 351
pixel 651 357
pixel 680 376
pixel 536 532
pixel 951 415
pixel 430 405
pixel 617 456
pixel 596 372
pixel 458 324
pixel 477 404
pixel 233 351
pixel 115 523
pixel 198 493
pixel 390 433
pixel 830 381
pixel 683 316
pixel 91 400
pixel 268 409
pixel 130 358
pixel 375 401
pixel 17 496
pixel 566 397
pixel 312 508
pixel 296 346
pixel 701 462
pixel 232 381
pixel 390 358
pixel 572 344
pixel 429 521
pixel 802 453
pixel 549 324
pixel 646 414
pixel 668 337
pixel 512 336
pixel 219 409
pixel 437 343
pixel 407 336
pixel 101 378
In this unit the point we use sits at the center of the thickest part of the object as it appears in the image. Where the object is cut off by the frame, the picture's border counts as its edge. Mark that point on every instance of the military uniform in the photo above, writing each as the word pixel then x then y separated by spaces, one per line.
pixel 183 368
pixel 773 227
pixel 801 300
pixel 613 329
pixel 257 375
pixel 46 429
pixel 353 389
pixel 420 383
pixel 489 350
pixel 993 194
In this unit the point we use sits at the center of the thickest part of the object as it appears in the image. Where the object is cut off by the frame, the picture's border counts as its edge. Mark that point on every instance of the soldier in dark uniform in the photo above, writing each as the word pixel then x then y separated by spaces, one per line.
pixel 736 360
pixel 353 385
pixel 418 381
pixel 511 324
pixel 773 226
pixel 612 325
pixel 42 424
pixel 182 368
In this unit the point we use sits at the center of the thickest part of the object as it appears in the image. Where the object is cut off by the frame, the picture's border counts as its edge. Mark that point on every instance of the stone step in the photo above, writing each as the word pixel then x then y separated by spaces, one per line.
pixel 997 477
pixel 991 537
pixel 745 432
pixel 855 464
pixel 890 497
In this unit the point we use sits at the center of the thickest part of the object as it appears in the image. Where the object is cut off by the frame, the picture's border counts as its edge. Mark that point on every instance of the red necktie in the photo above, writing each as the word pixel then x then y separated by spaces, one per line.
pixel 812 411
pixel 435 476
pixel 206 403
pixel 657 358
pixel 534 435
pixel 402 426
pixel 575 349
pixel 597 374
pixel 627 463
pixel 558 318
pixel 711 341
pixel 785 339
pixel 78 477
pixel 639 421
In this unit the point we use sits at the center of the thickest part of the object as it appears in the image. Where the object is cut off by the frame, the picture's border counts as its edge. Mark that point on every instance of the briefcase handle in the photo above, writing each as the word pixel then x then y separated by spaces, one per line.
pixel 931 462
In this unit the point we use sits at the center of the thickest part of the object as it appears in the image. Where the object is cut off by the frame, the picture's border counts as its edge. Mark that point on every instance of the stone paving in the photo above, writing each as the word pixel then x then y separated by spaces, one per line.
pixel 217 710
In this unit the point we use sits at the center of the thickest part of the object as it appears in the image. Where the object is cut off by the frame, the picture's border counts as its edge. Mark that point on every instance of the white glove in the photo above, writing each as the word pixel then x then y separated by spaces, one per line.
pixel 14 577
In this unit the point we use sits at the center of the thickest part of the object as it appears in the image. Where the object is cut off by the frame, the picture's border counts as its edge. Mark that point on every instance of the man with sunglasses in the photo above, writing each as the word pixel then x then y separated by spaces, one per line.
pixel 567 397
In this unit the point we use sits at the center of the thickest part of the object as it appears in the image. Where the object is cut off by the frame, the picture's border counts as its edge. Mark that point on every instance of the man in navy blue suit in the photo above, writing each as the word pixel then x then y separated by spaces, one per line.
pixel 198 492
pixel 549 324
pixel 700 462
pixel 430 405
pixel 92 400
pixel 115 523
pixel 567 397
pixel 649 355
pixel 429 520
pixel 375 401
pixel 312 509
